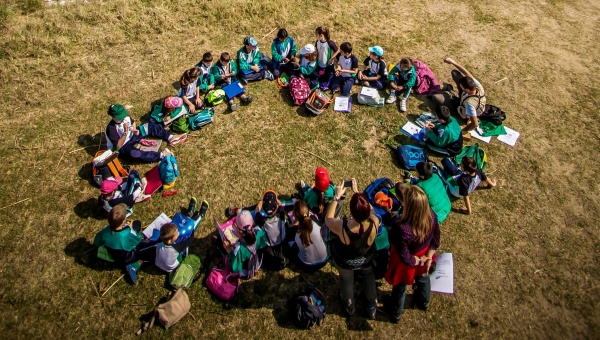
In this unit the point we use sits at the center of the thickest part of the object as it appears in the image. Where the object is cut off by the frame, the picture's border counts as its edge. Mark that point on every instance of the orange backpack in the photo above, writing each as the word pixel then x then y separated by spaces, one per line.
pixel 115 167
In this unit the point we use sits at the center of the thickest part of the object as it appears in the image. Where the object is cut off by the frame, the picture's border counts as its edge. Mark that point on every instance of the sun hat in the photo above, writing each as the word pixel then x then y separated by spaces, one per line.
pixel 383 200
pixel 244 219
pixel 110 184
pixel 250 41
pixel 269 202
pixel 117 111
pixel 307 49
pixel 321 179
pixel 173 102
pixel 377 50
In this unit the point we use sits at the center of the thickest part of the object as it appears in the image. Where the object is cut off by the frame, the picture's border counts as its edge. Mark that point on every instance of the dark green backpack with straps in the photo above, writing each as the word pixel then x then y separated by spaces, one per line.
pixel 474 152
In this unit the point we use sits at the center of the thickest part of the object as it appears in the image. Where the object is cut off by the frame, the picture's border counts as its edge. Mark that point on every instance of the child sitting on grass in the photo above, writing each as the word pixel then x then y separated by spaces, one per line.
pixel 461 183
pixel 445 135
pixel 327 50
pixel 113 192
pixel 206 81
pixel 376 73
pixel 402 78
pixel 242 251
pixel 346 68
pixel 224 73
pixel 249 60
pixel 124 242
pixel 431 183
pixel 283 52
pixel 308 65
pixel 190 90
pixel 165 113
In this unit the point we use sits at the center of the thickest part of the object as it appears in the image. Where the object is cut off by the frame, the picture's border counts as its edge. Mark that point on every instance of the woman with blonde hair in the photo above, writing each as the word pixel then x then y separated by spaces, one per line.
pixel 414 239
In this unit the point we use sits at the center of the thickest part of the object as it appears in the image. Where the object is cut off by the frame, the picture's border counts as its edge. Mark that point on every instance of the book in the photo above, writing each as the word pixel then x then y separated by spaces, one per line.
pixel 442 279
pixel 233 89
pixel 413 131
pixel 425 118
pixel 478 134
pixel 342 104
pixel 369 92
pixel 152 232
pixel 510 137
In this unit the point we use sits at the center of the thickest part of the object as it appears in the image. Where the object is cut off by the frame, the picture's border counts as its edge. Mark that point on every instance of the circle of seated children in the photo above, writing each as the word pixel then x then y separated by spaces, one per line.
pixel 275 232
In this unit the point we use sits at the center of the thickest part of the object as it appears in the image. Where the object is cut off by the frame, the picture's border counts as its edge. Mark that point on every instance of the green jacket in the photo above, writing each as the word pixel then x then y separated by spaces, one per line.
pixel 217 70
pixel 437 196
pixel 237 261
pixel 206 79
pixel 312 199
pixel 276 55
pixel 125 239
pixel 246 60
pixel 157 114
pixel 410 75
pixel 443 134
pixel 310 67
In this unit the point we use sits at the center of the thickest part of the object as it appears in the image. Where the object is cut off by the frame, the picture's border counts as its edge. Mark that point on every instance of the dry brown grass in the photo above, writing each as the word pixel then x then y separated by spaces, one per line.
pixel 526 261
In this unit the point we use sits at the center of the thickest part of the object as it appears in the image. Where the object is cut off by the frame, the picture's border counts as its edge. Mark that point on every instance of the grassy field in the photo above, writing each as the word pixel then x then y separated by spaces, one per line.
pixel 526 261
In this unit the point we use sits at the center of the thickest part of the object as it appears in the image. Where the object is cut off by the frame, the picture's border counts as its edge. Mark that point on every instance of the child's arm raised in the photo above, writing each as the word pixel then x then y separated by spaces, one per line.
pixel 458 66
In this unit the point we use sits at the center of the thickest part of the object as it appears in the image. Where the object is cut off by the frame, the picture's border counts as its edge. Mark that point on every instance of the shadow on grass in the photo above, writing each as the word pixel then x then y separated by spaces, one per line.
pixel 89 208
pixel 91 143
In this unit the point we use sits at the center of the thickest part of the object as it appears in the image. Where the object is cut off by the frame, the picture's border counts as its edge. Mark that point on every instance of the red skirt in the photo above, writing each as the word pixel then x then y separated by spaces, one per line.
pixel 398 272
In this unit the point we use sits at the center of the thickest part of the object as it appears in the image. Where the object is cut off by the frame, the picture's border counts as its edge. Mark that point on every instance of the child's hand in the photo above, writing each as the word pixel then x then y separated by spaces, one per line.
pixel 331 61
pixel 285 60
pixel 211 86
pixel 224 76
pixel 340 191
pixel 491 183
pixel 198 102
pixel 126 126
pixel 192 108
pixel 136 132
pixel 255 68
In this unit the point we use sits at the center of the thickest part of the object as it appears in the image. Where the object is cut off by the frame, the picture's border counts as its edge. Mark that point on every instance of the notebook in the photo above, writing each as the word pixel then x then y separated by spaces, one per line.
pixel 369 92
pixel 413 131
pixel 233 89
pixel 342 104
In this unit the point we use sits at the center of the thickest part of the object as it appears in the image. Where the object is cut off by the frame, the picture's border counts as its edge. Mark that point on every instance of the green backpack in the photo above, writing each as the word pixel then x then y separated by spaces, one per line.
pixel 181 125
pixel 476 153
pixel 215 97
pixel 184 275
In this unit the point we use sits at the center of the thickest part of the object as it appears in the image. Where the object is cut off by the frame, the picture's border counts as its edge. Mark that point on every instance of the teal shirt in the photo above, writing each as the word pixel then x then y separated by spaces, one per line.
pixel 125 239
pixel 312 198
pixel 439 201
pixel 276 56
pixel 237 260
pixel 216 71
pixel 443 134
pixel 157 114
pixel 410 75
pixel 247 59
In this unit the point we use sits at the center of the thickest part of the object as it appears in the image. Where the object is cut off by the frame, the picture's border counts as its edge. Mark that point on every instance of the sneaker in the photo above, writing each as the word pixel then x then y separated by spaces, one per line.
pixel 392 98
pixel 371 313
pixel 269 75
pixel 178 139
pixel 203 209
pixel 350 310
pixel 246 99
pixel 191 210
pixel 403 105
pixel 105 158
pixel 132 271
pixel 232 105
pixel 231 211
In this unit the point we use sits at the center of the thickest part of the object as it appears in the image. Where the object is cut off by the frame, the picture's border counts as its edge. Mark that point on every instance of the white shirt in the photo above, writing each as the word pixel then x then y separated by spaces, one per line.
pixel 166 257
pixel 316 252
pixel 345 64
pixel 322 53
pixel 121 130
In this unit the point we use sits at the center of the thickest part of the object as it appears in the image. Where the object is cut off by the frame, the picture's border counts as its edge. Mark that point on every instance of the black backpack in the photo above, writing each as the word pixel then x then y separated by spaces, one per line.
pixel 493 114
pixel 307 309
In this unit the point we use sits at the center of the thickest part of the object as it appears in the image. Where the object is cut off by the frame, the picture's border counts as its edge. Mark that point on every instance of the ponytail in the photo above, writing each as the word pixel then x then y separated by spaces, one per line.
pixel 321 201
pixel 305 227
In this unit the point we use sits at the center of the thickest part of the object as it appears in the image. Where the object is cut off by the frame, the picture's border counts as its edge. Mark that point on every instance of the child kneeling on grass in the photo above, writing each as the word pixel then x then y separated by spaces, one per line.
pixel 124 243
pixel 461 183
pixel 402 78
pixel 346 68
pixel 445 135
pixel 224 72
pixel 431 183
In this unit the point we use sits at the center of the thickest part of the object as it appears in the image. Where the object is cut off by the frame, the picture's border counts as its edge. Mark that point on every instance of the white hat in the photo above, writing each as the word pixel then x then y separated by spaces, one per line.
pixel 308 49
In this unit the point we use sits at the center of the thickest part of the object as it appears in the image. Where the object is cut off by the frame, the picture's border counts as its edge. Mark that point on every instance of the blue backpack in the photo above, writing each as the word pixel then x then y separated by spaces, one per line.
pixel 409 156
pixel 168 169
pixel 383 184
pixel 205 117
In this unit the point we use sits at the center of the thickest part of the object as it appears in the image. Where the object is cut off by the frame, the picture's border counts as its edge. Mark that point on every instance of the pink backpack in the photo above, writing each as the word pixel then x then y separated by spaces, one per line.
pixel 222 281
pixel 300 90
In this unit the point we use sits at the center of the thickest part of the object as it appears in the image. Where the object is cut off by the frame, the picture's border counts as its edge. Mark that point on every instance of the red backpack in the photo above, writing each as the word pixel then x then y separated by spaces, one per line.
pixel 300 90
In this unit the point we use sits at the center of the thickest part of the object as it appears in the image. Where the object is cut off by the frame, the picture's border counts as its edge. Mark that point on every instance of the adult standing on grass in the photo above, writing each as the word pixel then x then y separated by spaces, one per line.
pixel 354 247
pixel 414 239
pixel 471 96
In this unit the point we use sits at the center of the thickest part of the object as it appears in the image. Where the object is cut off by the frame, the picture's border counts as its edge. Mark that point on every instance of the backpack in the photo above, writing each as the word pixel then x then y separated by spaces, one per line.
pixel 184 275
pixel 115 167
pixel 273 257
pixel 493 114
pixel 215 97
pixel 170 312
pixel 318 102
pixel 197 121
pixel 299 90
pixel 384 185
pixel 476 153
pixel 222 281
pixel 180 125
pixel 375 101
pixel 307 309
pixel 168 169
pixel 409 156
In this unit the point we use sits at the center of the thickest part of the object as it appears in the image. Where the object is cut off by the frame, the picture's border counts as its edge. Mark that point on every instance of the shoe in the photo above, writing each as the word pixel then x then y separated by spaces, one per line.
pixel 132 271
pixel 178 139
pixel 403 105
pixel 246 99
pixel 232 105
pixel 191 210
pixel 386 308
pixel 203 209
pixel 105 158
pixel 269 75
pixel 231 212
pixel 350 310
pixel 300 187
pixel 371 313
pixel 392 98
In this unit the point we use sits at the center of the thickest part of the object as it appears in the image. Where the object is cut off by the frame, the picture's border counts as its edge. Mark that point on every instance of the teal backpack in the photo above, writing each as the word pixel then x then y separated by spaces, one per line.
pixel 476 153
pixel 197 121
pixel 168 169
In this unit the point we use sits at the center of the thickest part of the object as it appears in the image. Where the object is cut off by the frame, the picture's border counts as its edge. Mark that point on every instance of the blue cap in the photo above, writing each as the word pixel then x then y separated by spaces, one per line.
pixel 251 41
pixel 377 50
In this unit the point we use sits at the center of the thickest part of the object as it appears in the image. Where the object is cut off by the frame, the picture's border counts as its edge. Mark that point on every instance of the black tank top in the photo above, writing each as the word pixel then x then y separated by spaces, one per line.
pixel 358 253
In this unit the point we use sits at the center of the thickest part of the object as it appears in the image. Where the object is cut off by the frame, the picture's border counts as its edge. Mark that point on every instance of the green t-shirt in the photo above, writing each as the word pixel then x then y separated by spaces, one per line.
pixel 125 239
pixel 312 198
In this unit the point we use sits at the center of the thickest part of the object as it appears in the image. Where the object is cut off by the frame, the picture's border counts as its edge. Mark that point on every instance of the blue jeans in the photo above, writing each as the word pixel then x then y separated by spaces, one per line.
pixel 449 168
pixel 343 83
pixel 421 295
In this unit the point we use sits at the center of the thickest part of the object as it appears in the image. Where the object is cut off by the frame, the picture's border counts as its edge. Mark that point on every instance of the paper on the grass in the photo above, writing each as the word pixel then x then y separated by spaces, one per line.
pixel 411 129
pixel 475 134
pixel 442 279
pixel 368 92
pixel 342 104
pixel 510 137
pixel 152 232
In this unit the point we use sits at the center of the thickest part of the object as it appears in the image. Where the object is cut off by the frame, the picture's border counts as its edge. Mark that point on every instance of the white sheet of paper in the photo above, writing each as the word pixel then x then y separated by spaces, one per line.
pixel 161 220
pixel 476 134
pixel 510 137
pixel 411 128
pixel 442 279
pixel 368 91
pixel 341 104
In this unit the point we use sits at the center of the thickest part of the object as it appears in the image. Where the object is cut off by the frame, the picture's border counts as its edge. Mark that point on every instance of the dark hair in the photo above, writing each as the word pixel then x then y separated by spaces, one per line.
pixel 320 200
pixel 467 83
pixel 249 237
pixel 442 112
pixel 406 61
pixel 360 209
pixel 468 164
pixel 399 188
pixel 302 215
pixel 188 75
pixel 323 30
pixel 282 33
pixel 117 215
pixel 425 169
pixel 346 47
pixel 167 232
pixel 207 57
pixel 225 56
